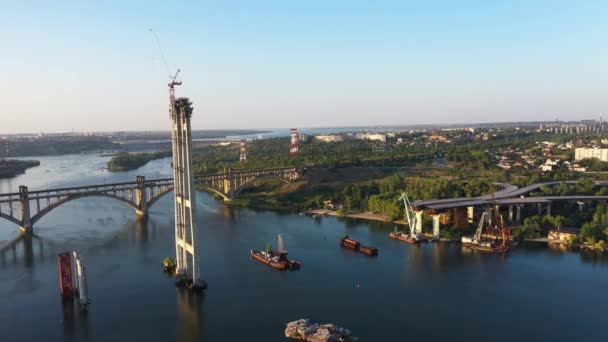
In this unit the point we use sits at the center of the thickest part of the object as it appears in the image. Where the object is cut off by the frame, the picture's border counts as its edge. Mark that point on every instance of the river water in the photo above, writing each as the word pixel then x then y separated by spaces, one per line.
pixel 430 292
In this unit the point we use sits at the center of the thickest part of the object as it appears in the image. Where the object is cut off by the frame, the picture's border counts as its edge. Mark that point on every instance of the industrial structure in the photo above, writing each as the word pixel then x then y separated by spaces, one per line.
pixel 186 234
pixel 243 152
pixel 294 146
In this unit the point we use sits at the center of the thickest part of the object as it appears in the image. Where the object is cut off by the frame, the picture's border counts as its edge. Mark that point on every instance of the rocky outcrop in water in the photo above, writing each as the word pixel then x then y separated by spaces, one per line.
pixel 303 329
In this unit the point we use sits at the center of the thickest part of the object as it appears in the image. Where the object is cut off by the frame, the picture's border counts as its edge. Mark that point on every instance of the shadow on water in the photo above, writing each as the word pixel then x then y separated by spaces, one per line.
pixel 190 320
pixel 75 321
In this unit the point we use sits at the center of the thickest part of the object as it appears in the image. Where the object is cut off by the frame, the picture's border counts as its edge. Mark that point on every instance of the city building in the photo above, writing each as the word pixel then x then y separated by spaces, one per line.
pixel 585 153
pixel 371 136
pixel 330 137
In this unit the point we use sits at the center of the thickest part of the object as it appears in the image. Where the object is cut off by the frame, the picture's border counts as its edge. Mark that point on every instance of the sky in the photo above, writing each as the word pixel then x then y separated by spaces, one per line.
pixel 94 66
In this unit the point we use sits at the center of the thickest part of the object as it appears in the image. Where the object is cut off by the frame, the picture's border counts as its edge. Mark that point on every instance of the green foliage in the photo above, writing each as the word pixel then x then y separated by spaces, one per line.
pixel 594 164
pixel 274 152
pixel 386 204
pixel 127 161
pixel 268 248
pixel 168 262
pixel 11 168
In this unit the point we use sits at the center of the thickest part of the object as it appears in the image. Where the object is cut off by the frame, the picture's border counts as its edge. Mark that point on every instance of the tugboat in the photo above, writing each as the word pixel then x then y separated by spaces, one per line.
pixel 500 243
pixel 356 245
pixel 277 260
pixel 413 236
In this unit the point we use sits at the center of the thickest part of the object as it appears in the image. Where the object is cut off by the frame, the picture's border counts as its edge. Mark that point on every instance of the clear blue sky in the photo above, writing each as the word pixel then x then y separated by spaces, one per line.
pixel 253 64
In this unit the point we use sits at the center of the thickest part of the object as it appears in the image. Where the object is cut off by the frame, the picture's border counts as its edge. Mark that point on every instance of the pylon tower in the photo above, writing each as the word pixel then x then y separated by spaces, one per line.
pixel 186 237
pixel 243 155
pixel 294 146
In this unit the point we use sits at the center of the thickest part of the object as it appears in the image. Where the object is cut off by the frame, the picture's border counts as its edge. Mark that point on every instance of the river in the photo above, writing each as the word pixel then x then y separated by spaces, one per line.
pixel 431 291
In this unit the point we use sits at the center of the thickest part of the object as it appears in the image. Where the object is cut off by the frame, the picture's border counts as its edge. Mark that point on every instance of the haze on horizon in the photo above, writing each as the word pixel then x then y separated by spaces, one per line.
pixel 88 66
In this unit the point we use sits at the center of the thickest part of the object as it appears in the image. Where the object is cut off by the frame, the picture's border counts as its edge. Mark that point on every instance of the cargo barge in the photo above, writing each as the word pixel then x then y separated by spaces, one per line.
pixel 356 245
pixel 409 238
pixel 277 260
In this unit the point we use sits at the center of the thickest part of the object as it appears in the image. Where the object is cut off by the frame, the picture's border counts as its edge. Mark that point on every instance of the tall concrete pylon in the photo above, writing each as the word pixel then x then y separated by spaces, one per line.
pixel 186 236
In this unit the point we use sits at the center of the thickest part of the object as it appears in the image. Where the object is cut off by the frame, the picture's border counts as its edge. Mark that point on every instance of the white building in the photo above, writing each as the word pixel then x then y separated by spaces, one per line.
pixel 598 153
pixel 371 136
pixel 330 138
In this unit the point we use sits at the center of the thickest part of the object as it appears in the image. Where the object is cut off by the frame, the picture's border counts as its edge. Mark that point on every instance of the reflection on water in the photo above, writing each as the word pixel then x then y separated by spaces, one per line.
pixel 75 321
pixel 189 313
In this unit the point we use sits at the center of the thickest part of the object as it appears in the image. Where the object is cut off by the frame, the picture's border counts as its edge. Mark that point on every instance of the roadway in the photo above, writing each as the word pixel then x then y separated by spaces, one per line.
pixel 508 195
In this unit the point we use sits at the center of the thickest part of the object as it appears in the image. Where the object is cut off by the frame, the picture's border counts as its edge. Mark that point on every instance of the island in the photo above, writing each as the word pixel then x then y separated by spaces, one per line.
pixel 131 161
pixel 10 168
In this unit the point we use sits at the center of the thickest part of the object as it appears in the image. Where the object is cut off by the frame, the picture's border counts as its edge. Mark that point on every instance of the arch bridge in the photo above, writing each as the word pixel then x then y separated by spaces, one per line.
pixel 25 208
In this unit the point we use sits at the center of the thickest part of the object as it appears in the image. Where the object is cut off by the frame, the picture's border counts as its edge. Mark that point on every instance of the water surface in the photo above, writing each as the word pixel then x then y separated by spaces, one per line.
pixel 430 292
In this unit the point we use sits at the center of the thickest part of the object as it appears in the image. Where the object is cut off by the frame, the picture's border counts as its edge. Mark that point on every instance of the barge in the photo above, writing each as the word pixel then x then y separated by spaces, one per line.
pixel 277 260
pixel 496 239
pixel 356 245
pixel 409 238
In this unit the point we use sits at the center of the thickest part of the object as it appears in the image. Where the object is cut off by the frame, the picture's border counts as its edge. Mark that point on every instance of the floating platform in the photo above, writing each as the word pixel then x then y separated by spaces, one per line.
pixel 406 238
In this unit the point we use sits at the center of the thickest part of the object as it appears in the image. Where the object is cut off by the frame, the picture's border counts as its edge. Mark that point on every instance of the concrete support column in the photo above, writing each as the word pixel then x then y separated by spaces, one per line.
pixel 228 183
pixel 471 214
pixel 24 199
pixel 141 196
pixel 540 209
pixel 511 213
pixel 580 206
pixel 418 227
pixel 549 209
pixel 436 225
pixel 489 215
pixel 518 213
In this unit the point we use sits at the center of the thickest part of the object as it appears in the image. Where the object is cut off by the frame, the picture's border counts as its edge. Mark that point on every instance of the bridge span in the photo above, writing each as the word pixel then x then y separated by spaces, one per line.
pixel 462 210
pixel 25 208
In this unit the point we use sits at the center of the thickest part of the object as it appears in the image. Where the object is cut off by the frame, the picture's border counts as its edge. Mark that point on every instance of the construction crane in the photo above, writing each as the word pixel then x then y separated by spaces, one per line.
pixel 173 79
pixel 172 85
pixel 411 216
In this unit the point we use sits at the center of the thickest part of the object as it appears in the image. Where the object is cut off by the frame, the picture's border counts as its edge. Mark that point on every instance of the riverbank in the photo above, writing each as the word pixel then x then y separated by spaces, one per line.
pixel 10 168
pixel 131 161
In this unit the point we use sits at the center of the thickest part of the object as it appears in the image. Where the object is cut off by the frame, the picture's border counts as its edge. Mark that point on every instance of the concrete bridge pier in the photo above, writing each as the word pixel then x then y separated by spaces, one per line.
pixel 436 225
pixel 471 214
pixel 581 206
pixel 228 189
pixel 24 199
pixel 540 209
pixel 518 213
pixel 549 209
pixel 418 227
pixel 510 212
pixel 141 196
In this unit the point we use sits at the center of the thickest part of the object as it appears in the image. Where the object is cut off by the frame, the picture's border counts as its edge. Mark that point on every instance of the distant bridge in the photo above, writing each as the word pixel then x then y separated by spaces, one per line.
pixel 509 196
pixel 25 208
